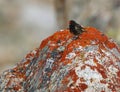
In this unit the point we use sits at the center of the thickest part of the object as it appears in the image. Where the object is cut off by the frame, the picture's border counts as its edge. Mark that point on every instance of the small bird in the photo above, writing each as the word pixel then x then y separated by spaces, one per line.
pixel 75 28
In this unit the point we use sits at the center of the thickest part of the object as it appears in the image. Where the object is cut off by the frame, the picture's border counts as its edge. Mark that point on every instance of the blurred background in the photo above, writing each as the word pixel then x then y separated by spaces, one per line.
pixel 25 23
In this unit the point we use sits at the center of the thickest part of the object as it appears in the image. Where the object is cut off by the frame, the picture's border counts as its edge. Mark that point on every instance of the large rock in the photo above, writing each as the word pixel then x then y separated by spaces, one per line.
pixel 89 62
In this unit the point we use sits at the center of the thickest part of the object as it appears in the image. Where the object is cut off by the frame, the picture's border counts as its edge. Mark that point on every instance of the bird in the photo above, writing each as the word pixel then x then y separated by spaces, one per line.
pixel 75 28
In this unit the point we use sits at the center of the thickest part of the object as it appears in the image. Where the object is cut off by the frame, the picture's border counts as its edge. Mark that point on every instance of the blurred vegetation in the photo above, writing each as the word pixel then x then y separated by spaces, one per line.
pixel 23 24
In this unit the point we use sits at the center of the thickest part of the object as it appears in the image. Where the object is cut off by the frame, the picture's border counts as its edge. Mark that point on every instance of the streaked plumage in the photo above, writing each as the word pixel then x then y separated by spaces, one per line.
pixel 75 28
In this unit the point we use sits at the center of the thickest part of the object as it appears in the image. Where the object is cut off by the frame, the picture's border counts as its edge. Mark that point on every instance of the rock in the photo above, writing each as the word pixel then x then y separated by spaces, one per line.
pixel 89 62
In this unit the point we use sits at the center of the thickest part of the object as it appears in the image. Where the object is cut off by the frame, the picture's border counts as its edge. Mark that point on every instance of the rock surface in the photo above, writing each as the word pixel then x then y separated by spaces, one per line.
pixel 89 62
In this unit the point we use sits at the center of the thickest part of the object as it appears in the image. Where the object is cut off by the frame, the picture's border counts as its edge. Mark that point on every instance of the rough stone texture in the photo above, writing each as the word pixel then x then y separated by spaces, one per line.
pixel 89 62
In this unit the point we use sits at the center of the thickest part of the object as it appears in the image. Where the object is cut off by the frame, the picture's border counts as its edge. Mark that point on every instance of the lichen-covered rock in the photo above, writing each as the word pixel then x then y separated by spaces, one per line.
pixel 89 62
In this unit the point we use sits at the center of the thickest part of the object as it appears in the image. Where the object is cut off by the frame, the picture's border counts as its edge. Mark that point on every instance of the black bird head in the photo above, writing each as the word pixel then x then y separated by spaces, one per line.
pixel 75 28
pixel 72 22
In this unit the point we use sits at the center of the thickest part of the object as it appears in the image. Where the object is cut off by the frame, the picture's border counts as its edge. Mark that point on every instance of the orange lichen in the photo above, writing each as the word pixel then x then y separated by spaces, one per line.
pixel 65 80
pixel 103 81
pixel 17 87
pixel 100 68
pixel 118 73
pixel 110 45
pixel 83 86
pixel 73 75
